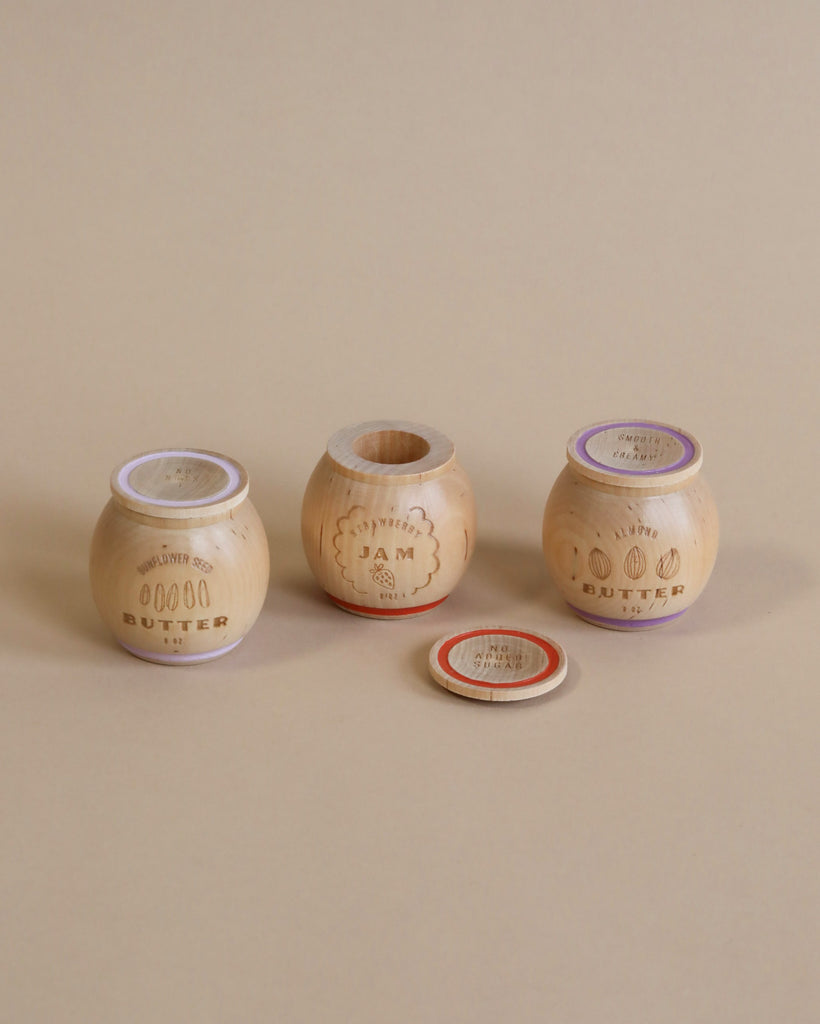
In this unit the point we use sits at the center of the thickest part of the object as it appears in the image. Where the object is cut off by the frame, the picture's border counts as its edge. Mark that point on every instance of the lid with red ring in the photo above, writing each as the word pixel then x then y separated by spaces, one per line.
pixel 635 453
pixel 497 663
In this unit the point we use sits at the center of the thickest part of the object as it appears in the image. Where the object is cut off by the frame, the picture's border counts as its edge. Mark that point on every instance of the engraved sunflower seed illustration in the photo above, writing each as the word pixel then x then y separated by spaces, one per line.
pixel 383 577
pixel 172 597
pixel 145 594
pixel 159 597
pixel 635 563
pixel 669 564
pixel 204 596
pixel 599 564
pixel 188 595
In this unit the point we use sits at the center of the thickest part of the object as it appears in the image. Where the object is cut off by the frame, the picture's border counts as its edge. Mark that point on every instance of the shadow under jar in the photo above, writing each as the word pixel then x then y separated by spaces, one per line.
pixel 179 558
pixel 388 519
pixel 630 527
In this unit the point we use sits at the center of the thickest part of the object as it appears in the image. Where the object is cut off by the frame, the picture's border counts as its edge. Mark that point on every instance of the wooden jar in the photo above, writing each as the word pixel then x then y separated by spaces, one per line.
pixel 388 519
pixel 179 558
pixel 630 526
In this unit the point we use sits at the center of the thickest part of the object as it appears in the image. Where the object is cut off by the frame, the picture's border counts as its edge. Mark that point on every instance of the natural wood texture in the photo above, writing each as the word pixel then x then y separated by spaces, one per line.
pixel 494 663
pixel 180 483
pixel 388 519
pixel 184 478
pixel 183 582
pixel 631 551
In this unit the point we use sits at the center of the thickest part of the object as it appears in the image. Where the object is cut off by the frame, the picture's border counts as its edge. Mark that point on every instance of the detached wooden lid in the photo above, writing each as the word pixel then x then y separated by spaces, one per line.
pixel 180 483
pixel 635 453
pixel 496 663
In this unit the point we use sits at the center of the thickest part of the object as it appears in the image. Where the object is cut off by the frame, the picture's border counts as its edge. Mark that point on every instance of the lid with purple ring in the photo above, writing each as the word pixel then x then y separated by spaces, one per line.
pixel 180 483
pixel 635 453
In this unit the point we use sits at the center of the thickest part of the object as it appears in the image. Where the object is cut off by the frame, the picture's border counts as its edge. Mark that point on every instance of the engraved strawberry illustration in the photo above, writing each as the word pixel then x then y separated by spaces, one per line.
pixel 383 577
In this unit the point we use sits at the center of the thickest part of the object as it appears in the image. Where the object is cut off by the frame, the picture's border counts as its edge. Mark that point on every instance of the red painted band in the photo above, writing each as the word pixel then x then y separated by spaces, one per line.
pixel 387 613
pixel 552 658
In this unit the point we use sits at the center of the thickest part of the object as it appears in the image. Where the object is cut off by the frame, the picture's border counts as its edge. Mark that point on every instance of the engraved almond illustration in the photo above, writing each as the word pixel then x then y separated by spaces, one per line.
pixel 383 577
pixel 599 564
pixel 669 564
pixel 635 563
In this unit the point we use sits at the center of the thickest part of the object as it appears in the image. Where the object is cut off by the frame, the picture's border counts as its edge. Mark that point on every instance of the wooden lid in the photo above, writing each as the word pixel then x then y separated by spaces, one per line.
pixel 496 663
pixel 180 483
pixel 635 453
pixel 390 451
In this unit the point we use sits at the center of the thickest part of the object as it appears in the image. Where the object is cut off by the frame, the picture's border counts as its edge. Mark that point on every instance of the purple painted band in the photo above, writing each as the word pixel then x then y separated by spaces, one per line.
pixel 180 659
pixel 625 623
pixel 583 454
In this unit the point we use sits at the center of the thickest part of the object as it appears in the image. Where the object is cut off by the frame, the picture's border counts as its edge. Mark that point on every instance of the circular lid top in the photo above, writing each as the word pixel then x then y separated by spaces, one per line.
pixel 179 483
pixel 390 450
pixel 635 453
pixel 496 663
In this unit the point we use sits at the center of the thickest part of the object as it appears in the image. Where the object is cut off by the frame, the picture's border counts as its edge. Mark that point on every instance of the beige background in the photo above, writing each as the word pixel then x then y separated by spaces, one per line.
pixel 241 226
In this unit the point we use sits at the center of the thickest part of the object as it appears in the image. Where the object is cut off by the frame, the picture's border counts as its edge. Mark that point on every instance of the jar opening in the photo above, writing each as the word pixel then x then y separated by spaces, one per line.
pixel 391 447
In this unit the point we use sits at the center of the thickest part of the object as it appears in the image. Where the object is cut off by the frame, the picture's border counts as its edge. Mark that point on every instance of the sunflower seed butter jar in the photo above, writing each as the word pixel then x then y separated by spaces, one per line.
pixel 630 530
pixel 179 558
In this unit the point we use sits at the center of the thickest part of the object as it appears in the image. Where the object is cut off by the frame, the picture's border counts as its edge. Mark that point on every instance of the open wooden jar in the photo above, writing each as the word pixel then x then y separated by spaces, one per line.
pixel 630 527
pixel 179 558
pixel 388 519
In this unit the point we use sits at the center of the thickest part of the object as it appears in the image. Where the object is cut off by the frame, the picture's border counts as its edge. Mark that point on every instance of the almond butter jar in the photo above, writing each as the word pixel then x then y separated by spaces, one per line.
pixel 388 519
pixel 630 528
pixel 179 558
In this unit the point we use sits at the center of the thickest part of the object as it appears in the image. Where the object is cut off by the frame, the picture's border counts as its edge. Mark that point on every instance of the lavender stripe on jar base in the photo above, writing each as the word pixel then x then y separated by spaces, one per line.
pixel 625 624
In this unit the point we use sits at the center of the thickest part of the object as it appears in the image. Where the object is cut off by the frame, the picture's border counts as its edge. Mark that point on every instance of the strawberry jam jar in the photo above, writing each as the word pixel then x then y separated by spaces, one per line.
pixel 388 519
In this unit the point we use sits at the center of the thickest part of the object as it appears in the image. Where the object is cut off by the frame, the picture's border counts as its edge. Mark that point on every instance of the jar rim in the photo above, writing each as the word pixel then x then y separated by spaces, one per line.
pixel 180 483
pixel 390 451
pixel 635 453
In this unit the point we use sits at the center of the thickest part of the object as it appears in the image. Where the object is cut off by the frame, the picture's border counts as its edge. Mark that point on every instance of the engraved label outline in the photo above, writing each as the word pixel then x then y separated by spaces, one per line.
pixel 340 532
pixel 431 534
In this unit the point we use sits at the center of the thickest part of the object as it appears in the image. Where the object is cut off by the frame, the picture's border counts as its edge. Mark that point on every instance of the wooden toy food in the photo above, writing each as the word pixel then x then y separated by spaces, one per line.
pixel 179 559
pixel 498 664
pixel 630 527
pixel 388 519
